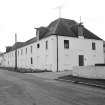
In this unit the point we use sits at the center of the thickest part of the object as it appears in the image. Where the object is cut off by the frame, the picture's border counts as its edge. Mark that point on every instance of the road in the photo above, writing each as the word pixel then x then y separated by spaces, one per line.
pixel 26 89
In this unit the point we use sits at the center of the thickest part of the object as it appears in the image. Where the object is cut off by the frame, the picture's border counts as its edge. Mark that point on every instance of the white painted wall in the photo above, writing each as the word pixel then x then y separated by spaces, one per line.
pixel 43 59
pixel 1 60
pixel 95 72
pixel 47 59
pixel 68 58
pixel 9 59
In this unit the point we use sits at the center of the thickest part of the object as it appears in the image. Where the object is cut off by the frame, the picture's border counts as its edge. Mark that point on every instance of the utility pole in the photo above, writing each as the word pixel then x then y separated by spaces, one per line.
pixel 80 19
pixel 15 37
pixel 59 12
pixel 15 52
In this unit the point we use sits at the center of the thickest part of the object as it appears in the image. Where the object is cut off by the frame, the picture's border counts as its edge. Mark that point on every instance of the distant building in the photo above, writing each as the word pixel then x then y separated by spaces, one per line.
pixel 1 58
pixel 61 46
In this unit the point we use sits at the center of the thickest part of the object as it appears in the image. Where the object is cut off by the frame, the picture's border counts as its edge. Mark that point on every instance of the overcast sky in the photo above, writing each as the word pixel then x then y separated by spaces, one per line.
pixel 21 16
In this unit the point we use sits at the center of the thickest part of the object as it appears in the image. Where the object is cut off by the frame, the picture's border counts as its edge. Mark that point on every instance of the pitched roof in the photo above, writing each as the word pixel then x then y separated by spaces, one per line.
pixel 21 44
pixel 17 45
pixel 61 27
pixel 67 27
pixel 32 40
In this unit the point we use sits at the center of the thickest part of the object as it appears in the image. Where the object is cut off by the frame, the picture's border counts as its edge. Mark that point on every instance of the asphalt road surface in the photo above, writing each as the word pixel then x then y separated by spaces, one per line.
pixel 26 89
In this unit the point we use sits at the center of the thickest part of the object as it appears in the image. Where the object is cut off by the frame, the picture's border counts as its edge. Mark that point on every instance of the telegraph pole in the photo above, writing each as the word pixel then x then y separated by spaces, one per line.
pixel 57 39
pixel 15 37
pixel 15 52
pixel 80 19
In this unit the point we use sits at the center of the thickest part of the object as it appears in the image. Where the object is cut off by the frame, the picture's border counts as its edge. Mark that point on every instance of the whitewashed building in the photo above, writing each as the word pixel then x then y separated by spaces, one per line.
pixel 61 46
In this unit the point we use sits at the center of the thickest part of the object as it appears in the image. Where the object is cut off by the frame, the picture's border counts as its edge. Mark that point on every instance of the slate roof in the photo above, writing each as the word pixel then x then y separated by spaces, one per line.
pixel 61 27
pixel 17 45
pixel 67 27
pixel 21 44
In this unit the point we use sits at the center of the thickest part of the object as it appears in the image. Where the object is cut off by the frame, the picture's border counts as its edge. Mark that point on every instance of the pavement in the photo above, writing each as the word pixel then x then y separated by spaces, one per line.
pixel 65 76
pixel 22 89
pixel 51 75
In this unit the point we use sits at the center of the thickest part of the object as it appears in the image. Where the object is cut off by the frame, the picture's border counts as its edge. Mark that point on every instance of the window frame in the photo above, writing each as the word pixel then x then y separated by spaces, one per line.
pixel 26 50
pixel 66 44
pixel 31 47
pixel 93 46
pixel 31 60
pixel 21 51
pixel 38 45
pixel 47 44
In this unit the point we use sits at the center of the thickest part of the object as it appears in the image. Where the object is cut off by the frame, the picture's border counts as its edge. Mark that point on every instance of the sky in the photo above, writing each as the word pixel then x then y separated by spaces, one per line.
pixel 22 16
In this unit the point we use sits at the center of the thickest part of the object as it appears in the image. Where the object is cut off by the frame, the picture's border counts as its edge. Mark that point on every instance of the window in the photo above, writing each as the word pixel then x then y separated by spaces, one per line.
pixel 38 45
pixel 21 51
pixel 26 50
pixel 46 44
pixel 31 60
pixel 93 46
pixel 18 53
pixel 66 44
pixel 31 49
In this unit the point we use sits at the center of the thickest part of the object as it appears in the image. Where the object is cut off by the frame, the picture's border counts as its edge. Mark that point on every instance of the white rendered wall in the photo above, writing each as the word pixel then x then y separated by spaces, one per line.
pixel 9 59
pixel 96 72
pixel 47 58
pixel 43 59
pixel 68 58
pixel 1 60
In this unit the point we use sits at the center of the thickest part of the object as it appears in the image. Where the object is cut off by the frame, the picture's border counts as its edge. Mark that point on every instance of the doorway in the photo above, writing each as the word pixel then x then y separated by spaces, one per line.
pixel 81 60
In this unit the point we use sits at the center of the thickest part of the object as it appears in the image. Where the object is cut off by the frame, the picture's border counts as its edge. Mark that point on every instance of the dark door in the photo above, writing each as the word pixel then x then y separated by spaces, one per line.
pixel 81 60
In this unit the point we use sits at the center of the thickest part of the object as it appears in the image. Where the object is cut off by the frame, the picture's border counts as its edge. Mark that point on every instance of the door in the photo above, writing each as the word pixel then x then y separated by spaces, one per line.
pixel 81 60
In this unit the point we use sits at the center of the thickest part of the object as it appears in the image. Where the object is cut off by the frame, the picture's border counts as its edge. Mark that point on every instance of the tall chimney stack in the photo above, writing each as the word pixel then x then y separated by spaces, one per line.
pixel 80 30
pixel 37 33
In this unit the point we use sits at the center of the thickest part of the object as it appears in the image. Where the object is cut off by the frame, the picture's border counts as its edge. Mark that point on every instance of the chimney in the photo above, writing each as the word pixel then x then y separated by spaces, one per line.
pixel 80 30
pixel 37 33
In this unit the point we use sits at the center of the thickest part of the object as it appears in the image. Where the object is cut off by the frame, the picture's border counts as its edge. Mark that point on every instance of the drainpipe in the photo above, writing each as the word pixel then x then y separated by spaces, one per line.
pixel 57 53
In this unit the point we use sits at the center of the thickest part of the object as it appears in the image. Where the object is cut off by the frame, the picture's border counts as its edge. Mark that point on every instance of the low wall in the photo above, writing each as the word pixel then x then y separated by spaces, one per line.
pixel 95 72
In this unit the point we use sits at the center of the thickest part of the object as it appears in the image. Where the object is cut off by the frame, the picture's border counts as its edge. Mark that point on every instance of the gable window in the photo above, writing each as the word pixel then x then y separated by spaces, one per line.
pixel 31 60
pixel 66 44
pixel 46 44
pixel 38 45
pixel 93 46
